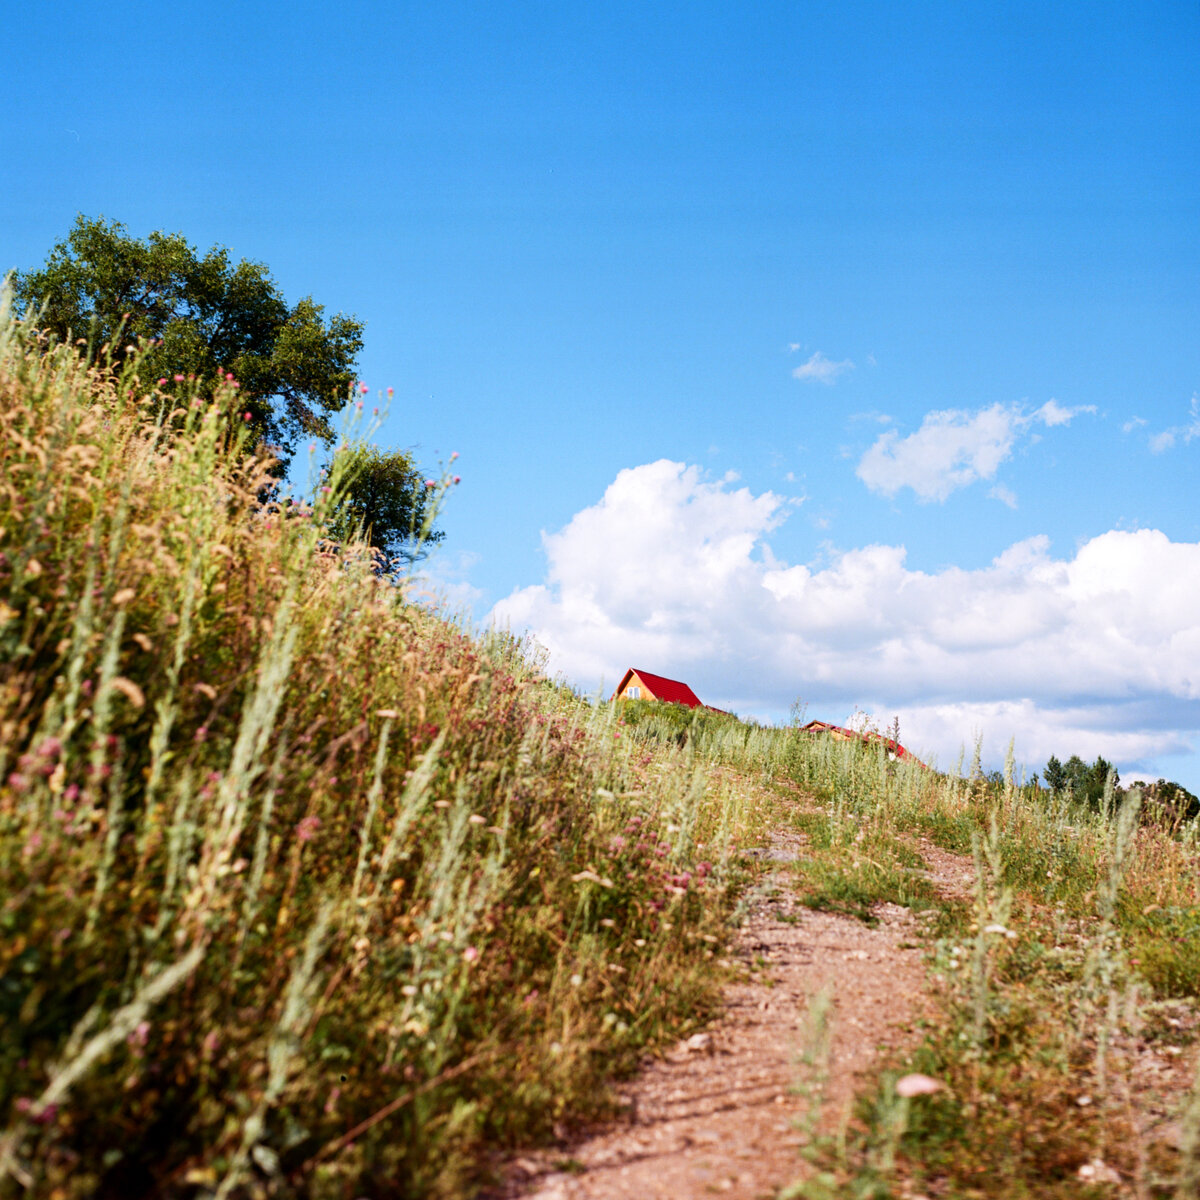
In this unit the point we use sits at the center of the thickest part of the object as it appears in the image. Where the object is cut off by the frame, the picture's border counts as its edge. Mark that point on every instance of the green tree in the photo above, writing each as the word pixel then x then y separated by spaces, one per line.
pixel 1085 781
pixel 198 316
pixel 389 499
pixel 1056 777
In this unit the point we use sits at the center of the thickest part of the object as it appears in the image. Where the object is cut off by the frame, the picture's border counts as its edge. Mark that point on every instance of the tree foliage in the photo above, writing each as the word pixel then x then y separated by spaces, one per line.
pixel 1085 781
pixel 388 498
pixel 199 316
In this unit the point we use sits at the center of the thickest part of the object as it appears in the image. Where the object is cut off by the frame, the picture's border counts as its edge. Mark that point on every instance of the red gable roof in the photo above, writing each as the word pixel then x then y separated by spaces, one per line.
pixel 828 727
pixel 670 690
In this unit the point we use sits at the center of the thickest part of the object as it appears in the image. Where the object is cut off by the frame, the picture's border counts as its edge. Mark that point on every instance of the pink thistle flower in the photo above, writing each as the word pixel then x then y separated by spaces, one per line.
pixel 458 479
pixel 454 456
pixel 362 387
pixel 178 378
pixel 470 954
pixel 391 391
pixel 162 381
pixel 429 483
pixel 245 416
pixel 307 828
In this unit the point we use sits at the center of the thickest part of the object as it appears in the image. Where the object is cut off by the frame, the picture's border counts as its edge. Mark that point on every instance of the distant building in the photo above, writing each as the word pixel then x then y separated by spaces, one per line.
pixel 642 685
pixel 894 749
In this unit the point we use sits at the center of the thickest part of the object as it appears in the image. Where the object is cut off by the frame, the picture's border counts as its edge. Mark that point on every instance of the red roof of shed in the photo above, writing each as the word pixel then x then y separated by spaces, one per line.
pixel 828 727
pixel 670 690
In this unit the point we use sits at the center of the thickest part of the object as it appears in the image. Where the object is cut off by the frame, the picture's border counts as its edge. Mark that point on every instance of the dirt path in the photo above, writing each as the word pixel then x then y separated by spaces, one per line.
pixel 722 1113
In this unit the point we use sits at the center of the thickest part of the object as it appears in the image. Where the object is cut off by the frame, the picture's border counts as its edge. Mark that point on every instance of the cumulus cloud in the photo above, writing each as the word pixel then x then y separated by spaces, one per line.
pixel 820 369
pixel 673 572
pixel 955 448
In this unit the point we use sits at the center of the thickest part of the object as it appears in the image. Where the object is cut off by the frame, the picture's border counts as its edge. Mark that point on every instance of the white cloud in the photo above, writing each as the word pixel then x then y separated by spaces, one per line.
pixel 1133 423
pixel 820 369
pixel 1052 413
pixel 1004 495
pixel 444 580
pixel 954 448
pixel 1178 433
pixel 672 572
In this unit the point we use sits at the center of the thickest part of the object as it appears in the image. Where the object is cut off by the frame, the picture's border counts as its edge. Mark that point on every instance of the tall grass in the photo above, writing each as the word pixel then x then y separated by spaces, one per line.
pixel 1064 965
pixel 304 889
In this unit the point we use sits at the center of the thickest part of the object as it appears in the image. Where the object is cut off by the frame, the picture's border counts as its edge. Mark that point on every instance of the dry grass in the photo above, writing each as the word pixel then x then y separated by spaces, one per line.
pixel 304 890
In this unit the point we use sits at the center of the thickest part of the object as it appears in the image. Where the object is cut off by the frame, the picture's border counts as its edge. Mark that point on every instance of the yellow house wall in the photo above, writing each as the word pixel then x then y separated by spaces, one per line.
pixel 635 681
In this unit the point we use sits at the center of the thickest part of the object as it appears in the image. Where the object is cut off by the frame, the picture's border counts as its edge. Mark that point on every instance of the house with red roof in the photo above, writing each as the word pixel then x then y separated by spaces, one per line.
pixel 642 685
pixel 894 749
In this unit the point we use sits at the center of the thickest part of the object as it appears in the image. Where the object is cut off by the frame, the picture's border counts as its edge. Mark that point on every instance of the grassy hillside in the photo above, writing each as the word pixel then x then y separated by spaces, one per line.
pixel 303 890
pixel 306 891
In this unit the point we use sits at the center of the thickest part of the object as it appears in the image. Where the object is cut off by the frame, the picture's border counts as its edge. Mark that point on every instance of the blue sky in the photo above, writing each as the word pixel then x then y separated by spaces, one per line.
pixel 895 288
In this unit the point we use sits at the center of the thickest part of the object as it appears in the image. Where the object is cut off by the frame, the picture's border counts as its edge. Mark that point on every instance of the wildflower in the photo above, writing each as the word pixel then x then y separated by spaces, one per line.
pixel 245 416
pixel 162 381
pixel 454 456
pixel 362 387
pixel 470 954
pixel 201 734
pixel 458 479
pixel 307 827
pixel 391 391
pixel 178 378
pixel 429 483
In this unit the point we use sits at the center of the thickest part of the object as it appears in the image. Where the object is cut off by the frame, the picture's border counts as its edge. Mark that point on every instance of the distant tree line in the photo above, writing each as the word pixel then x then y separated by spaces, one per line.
pixel 1164 801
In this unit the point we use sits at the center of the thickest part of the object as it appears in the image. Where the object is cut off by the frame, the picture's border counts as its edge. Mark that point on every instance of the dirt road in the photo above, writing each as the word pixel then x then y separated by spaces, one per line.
pixel 726 1112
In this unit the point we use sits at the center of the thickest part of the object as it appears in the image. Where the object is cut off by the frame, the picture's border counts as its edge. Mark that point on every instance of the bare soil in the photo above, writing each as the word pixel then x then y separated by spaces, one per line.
pixel 728 1111
pixel 723 1112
